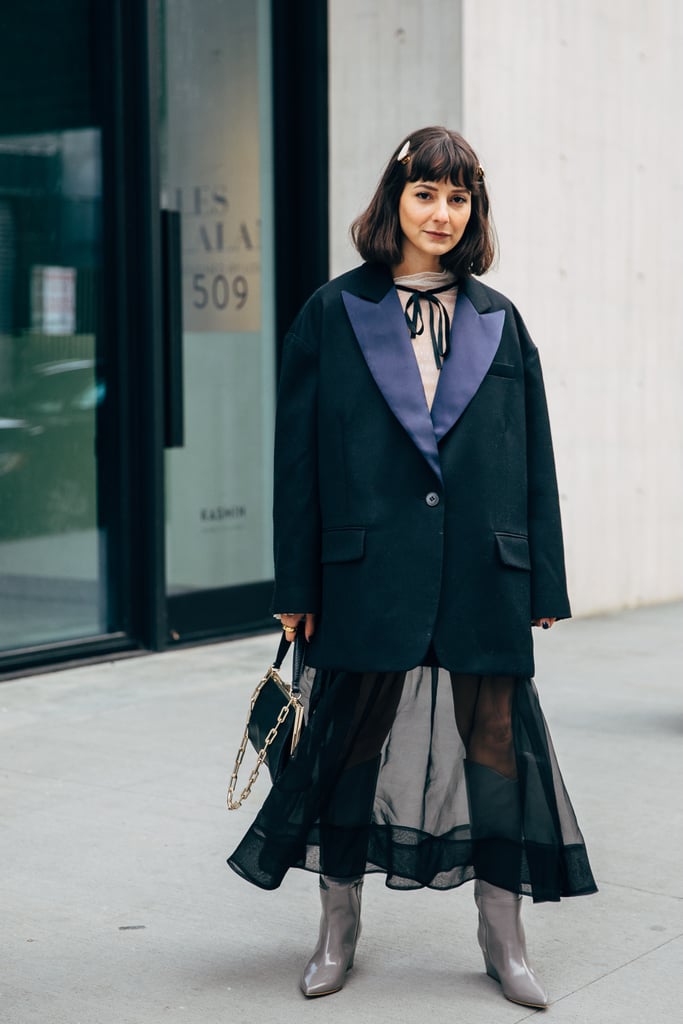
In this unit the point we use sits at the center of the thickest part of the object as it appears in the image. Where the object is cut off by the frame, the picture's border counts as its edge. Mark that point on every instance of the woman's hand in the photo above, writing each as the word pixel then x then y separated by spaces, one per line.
pixel 544 623
pixel 291 622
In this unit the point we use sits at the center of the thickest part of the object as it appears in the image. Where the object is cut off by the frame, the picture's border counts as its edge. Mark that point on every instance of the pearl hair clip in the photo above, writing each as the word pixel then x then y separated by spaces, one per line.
pixel 404 156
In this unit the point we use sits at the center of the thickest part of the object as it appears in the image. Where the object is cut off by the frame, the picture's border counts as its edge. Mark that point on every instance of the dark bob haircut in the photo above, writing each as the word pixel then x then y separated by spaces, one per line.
pixel 430 154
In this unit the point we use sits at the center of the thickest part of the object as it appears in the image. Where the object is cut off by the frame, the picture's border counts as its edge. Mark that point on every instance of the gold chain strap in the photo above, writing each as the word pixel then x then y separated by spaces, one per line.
pixel 293 699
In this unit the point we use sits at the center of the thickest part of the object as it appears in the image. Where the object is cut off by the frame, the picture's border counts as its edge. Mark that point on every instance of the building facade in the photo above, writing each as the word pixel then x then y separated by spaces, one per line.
pixel 177 176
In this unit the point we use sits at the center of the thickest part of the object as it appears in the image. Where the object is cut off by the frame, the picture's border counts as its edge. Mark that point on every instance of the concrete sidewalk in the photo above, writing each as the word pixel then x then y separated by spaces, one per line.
pixel 118 908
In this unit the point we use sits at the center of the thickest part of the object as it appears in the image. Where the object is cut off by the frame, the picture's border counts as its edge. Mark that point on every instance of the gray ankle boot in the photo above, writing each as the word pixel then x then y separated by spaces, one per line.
pixel 326 971
pixel 501 937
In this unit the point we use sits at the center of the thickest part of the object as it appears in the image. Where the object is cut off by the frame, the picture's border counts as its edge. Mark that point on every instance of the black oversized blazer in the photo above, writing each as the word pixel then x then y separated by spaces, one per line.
pixel 405 531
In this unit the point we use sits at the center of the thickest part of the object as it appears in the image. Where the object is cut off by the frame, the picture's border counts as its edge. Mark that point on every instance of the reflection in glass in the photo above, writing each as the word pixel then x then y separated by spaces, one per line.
pixel 50 260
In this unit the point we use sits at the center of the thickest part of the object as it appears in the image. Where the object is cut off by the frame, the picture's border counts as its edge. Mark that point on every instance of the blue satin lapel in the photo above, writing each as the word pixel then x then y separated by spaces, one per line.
pixel 475 338
pixel 382 334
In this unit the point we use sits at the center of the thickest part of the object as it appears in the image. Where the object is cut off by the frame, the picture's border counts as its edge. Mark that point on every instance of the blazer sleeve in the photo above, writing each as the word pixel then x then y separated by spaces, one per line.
pixel 546 548
pixel 296 506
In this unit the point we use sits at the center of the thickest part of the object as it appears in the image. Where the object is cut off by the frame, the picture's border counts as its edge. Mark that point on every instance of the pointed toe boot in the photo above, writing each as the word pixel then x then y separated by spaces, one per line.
pixel 502 941
pixel 332 959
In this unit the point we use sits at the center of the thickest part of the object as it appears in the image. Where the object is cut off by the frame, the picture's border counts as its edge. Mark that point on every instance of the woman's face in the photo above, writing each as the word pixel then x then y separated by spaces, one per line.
pixel 433 216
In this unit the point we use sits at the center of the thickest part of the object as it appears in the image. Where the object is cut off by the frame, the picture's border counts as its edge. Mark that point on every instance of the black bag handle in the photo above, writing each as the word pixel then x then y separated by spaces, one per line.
pixel 299 645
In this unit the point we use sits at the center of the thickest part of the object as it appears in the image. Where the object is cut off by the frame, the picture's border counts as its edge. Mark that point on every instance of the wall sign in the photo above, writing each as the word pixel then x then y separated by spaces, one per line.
pixel 212 154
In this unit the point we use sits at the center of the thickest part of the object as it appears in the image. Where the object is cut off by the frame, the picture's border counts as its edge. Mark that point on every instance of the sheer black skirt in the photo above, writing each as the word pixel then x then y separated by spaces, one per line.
pixel 430 777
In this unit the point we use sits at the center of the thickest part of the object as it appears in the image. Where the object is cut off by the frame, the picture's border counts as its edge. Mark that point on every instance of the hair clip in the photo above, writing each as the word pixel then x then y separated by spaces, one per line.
pixel 479 173
pixel 404 156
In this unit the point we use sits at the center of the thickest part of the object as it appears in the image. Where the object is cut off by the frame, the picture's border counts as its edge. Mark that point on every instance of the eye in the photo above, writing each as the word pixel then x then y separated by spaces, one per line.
pixel 423 195
pixel 459 199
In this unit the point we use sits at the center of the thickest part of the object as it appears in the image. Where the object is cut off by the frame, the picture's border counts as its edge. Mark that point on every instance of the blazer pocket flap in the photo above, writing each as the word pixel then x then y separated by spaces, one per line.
pixel 343 545
pixel 513 549
pixel 502 370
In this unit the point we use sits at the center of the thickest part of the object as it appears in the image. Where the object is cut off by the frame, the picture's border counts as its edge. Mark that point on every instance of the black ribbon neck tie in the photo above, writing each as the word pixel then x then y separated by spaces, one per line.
pixel 439 320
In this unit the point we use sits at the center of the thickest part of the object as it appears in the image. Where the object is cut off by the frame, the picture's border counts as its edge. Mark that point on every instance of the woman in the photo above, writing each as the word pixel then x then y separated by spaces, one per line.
pixel 417 539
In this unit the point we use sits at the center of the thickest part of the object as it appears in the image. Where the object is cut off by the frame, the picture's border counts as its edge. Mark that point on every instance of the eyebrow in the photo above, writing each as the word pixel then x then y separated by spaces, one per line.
pixel 433 187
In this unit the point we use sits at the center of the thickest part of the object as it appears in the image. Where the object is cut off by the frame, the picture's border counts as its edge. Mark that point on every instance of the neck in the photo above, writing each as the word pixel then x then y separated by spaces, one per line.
pixel 417 263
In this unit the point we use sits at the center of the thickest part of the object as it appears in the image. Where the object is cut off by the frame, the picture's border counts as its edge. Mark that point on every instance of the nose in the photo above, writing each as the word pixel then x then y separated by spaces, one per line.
pixel 441 211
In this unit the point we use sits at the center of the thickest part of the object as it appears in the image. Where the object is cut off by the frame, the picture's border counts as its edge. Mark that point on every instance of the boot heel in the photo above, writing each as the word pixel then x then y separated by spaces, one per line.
pixel 491 970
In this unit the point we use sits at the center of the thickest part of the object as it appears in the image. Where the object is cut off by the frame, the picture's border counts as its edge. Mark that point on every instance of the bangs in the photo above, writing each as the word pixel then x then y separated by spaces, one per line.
pixel 442 159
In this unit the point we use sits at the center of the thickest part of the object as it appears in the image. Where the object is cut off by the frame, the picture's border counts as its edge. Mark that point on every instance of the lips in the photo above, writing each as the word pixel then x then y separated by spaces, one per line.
pixel 438 234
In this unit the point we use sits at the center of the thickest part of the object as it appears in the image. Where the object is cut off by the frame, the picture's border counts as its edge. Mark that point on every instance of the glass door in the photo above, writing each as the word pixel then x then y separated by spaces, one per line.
pixel 57 585
pixel 215 128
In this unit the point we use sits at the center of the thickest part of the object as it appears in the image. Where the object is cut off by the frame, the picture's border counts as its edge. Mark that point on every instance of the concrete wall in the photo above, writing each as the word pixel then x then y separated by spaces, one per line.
pixel 394 67
pixel 574 109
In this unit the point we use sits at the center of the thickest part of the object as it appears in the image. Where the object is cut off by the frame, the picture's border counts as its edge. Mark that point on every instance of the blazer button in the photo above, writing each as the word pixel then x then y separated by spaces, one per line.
pixel 432 499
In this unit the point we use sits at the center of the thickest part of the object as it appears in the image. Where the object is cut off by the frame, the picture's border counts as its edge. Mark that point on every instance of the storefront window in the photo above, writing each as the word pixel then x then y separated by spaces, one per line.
pixel 52 388
pixel 217 171
pixel 50 392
